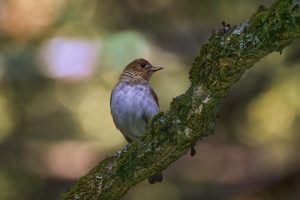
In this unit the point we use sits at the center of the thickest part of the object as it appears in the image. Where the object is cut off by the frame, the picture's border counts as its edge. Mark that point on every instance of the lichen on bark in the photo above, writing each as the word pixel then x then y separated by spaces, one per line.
pixel 192 115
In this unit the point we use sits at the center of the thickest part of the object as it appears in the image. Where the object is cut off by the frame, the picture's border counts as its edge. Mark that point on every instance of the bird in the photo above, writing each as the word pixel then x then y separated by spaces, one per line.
pixel 134 103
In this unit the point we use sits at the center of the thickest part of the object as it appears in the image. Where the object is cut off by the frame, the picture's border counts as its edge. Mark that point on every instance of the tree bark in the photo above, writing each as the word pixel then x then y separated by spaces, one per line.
pixel 192 116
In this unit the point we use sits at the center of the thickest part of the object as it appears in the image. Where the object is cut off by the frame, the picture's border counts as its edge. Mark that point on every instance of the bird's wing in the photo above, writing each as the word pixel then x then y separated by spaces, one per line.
pixel 154 96
pixel 147 116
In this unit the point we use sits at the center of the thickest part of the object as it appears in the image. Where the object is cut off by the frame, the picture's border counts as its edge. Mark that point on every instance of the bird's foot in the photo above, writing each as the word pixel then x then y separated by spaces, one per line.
pixel 156 178
pixel 224 29
pixel 193 151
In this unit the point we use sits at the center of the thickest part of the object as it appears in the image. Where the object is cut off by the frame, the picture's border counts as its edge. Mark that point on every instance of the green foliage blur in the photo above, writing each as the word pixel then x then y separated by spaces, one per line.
pixel 59 60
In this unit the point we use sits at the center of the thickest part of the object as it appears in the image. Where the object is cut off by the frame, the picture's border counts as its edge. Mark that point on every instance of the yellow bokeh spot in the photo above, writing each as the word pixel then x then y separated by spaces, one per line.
pixel 272 115
pixel 95 119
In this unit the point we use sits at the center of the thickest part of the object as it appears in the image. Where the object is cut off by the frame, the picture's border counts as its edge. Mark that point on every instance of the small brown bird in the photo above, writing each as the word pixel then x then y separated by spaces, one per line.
pixel 133 103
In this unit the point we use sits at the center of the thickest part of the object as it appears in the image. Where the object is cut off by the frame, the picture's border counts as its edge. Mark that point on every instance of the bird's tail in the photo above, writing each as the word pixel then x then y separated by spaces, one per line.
pixel 156 178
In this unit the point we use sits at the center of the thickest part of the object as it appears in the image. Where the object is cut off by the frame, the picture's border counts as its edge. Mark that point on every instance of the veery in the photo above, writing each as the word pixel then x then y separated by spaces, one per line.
pixel 133 103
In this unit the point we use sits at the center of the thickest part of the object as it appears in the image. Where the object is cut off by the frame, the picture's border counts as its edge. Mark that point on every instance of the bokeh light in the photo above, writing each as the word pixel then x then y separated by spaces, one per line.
pixel 122 47
pixel 70 58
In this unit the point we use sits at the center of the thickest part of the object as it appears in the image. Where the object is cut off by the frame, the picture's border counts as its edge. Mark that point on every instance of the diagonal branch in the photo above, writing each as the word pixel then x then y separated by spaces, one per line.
pixel 220 63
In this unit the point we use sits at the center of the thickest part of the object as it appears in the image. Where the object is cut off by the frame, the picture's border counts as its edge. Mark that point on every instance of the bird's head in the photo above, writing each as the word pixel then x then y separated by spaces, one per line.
pixel 140 68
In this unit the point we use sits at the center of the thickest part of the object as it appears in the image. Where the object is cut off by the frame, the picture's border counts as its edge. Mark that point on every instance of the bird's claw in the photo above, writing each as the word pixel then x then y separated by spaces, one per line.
pixel 193 151
pixel 224 29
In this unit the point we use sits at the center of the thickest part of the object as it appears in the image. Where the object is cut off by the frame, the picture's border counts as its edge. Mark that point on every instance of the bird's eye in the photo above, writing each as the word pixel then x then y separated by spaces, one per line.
pixel 143 65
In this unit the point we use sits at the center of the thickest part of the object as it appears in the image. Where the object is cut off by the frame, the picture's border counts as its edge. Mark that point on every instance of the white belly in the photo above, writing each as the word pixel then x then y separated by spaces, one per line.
pixel 132 107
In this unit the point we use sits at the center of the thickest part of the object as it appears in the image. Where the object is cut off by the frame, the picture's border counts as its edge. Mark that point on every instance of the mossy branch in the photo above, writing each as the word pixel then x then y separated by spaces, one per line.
pixel 220 63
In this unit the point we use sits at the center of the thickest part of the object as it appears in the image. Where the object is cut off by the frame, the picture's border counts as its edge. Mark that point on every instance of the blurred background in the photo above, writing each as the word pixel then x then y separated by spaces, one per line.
pixel 59 60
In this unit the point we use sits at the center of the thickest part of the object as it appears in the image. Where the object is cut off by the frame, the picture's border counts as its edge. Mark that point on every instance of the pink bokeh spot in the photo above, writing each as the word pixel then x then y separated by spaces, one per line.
pixel 70 58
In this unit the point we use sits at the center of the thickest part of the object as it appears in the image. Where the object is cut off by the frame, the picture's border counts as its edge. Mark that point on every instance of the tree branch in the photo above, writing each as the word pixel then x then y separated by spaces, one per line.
pixel 220 63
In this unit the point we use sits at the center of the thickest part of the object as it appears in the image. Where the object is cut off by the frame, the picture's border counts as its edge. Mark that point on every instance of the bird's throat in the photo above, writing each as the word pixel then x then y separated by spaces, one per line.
pixel 128 76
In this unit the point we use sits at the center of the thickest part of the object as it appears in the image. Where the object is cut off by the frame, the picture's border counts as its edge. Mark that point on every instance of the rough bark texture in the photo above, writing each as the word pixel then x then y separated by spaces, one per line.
pixel 192 116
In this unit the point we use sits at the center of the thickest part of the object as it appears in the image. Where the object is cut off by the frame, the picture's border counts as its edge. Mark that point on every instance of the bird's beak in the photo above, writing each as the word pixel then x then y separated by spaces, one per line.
pixel 154 69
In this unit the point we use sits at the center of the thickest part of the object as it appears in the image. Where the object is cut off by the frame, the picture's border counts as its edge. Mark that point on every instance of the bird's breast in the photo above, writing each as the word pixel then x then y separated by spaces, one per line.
pixel 132 107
